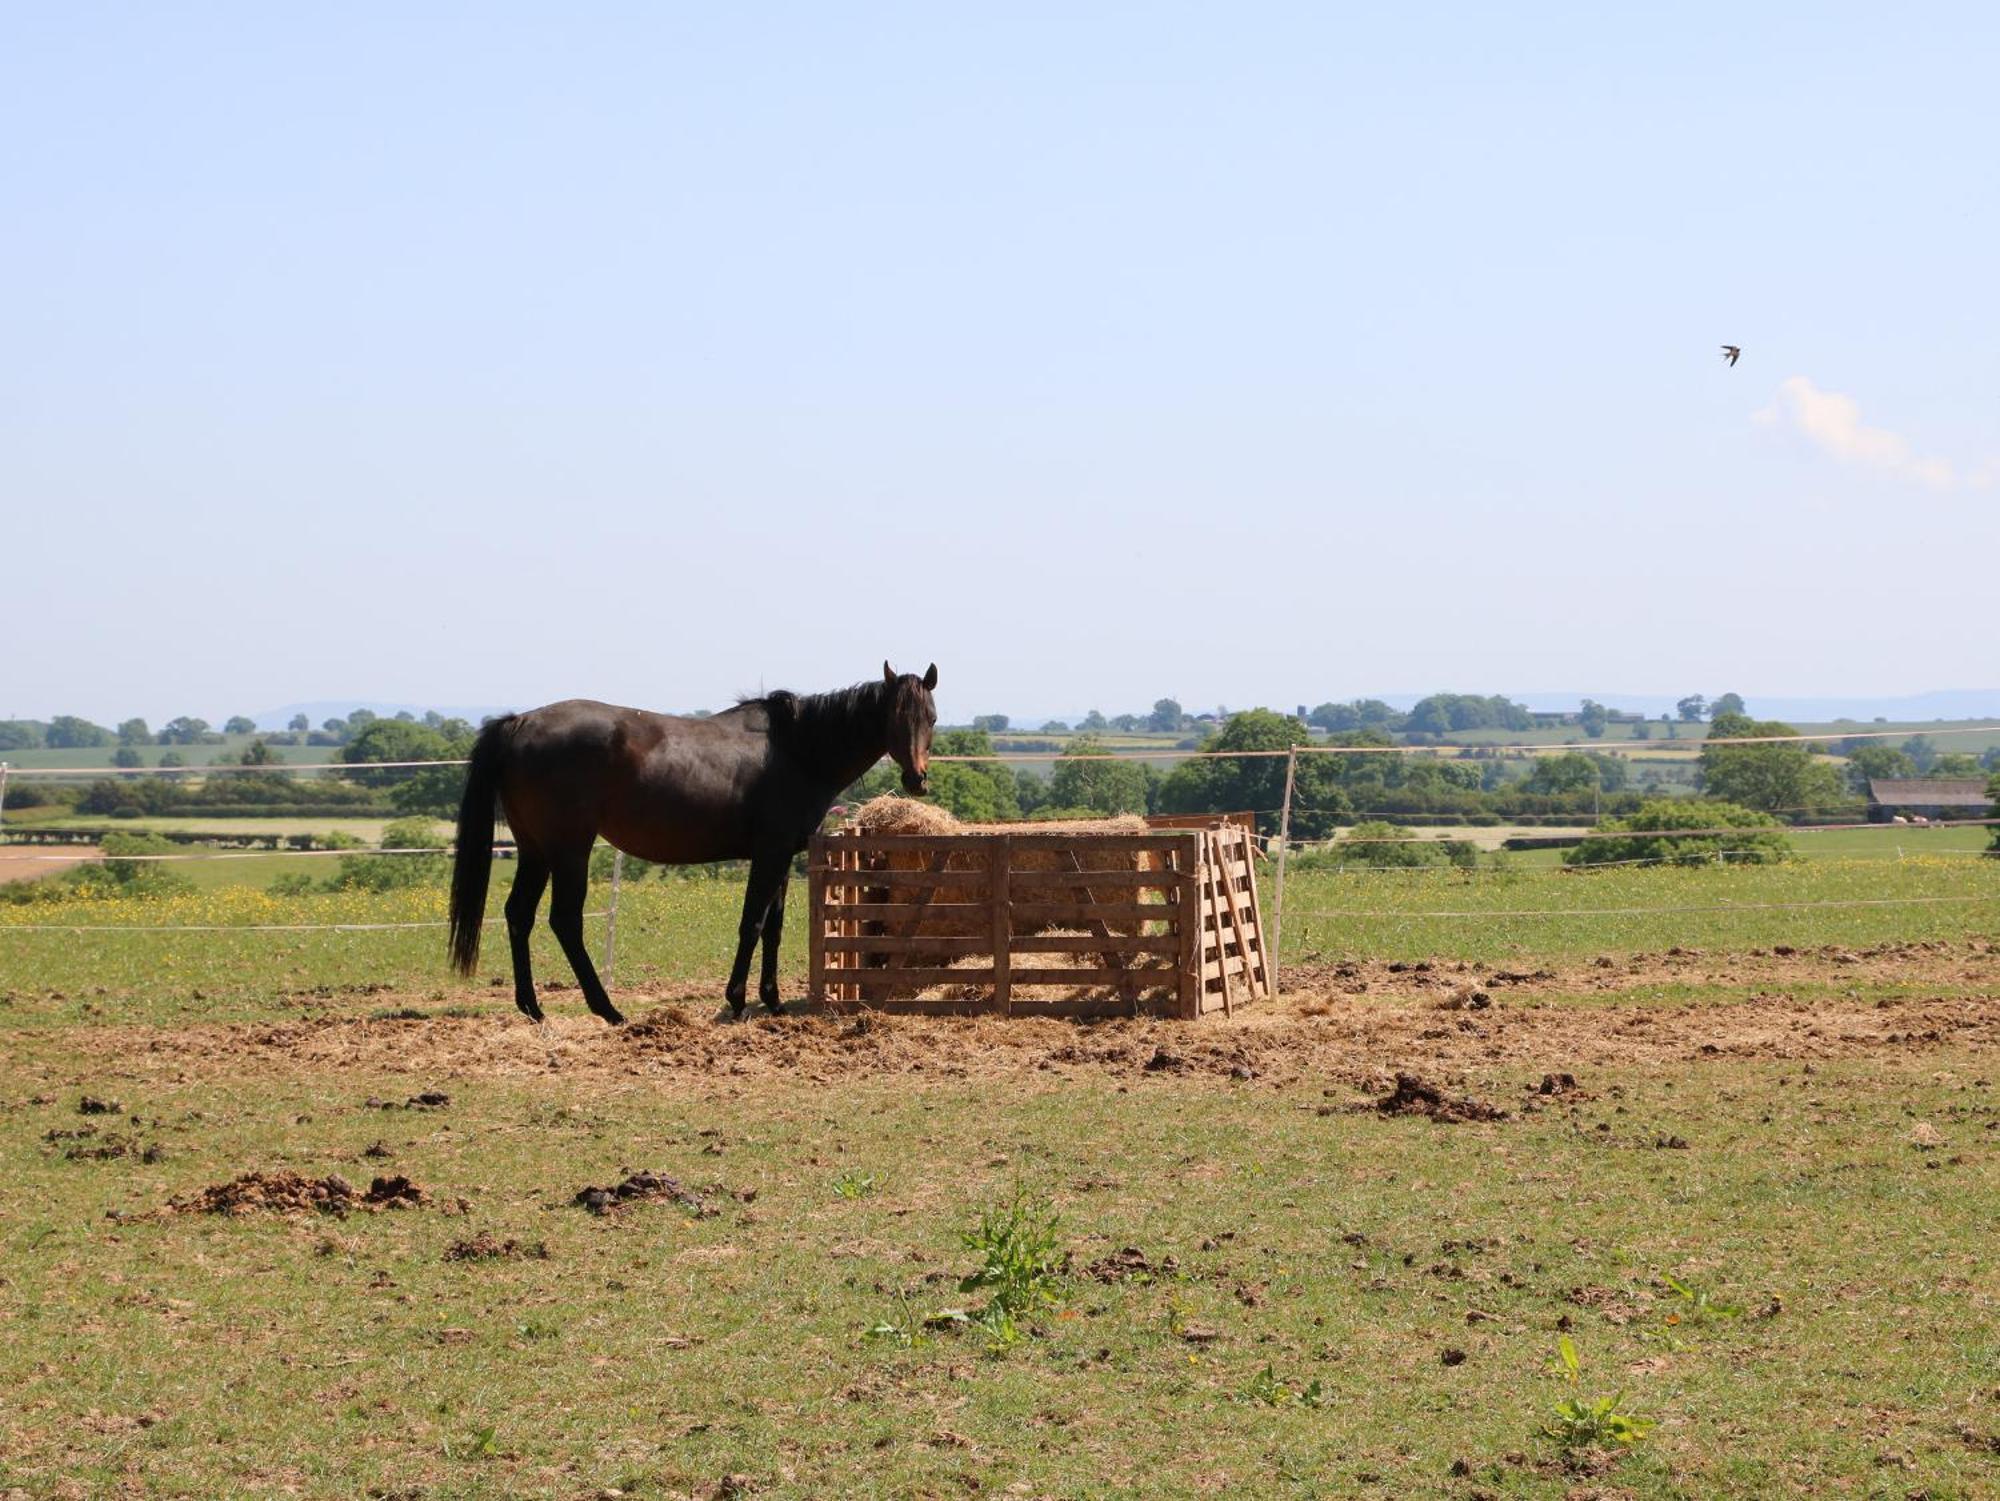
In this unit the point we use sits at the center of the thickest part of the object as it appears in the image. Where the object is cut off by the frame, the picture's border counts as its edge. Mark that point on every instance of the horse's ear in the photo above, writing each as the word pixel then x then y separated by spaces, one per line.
pixel 888 673
pixel 930 678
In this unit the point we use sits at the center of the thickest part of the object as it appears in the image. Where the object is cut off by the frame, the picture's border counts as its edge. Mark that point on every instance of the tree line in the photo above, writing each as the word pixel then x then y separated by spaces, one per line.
pixel 73 732
pixel 1429 719
pixel 1366 776
pixel 1365 773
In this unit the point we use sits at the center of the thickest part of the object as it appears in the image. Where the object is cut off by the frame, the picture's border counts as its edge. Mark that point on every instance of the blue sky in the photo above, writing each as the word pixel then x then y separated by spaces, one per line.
pixel 498 354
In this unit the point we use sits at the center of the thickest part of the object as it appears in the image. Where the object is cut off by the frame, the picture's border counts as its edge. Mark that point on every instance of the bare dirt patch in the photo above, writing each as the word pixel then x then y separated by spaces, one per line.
pixel 486 1246
pixel 1130 1264
pixel 30 862
pixel 1358 1023
pixel 83 1148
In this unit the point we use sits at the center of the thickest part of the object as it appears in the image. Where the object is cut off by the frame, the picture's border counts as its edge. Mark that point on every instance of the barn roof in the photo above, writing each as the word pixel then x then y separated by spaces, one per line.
pixel 1927 792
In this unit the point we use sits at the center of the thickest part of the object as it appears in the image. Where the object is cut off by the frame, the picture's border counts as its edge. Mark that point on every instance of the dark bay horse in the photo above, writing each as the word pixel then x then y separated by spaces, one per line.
pixel 751 783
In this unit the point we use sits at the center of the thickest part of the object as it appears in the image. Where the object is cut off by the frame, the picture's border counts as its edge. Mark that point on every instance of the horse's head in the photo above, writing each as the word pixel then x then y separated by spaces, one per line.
pixel 912 718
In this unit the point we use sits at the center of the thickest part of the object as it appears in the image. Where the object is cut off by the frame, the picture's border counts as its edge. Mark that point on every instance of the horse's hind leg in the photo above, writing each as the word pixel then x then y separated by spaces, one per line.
pixel 572 879
pixel 531 877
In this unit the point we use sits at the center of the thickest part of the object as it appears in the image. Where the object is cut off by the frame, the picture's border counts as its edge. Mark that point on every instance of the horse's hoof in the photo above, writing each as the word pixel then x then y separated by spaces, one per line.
pixel 613 1016
pixel 530 1010
pixel 775 1007
pixel 736 1009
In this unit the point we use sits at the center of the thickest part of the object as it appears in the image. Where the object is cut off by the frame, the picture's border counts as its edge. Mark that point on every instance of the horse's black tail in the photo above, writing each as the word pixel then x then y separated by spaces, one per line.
pixel 472 865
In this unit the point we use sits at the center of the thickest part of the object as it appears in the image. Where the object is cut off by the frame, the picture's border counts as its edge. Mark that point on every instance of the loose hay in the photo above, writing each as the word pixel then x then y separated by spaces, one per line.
pixel 890 814
pixel 902 815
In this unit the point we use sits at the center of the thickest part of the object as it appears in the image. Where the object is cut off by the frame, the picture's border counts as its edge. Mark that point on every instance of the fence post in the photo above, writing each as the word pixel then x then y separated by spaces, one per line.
pixel 611 919
pixel 3 802
pixel 1284 844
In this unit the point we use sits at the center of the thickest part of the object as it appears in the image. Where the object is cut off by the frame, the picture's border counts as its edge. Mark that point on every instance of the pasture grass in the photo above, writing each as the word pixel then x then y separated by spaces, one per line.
pixel 685 930
pixel 1448 914
pixel 1357 1305
pixel 1415 1278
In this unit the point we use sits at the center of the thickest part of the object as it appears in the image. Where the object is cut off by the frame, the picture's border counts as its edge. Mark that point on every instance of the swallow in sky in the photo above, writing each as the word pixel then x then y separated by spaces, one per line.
pixel 1731 353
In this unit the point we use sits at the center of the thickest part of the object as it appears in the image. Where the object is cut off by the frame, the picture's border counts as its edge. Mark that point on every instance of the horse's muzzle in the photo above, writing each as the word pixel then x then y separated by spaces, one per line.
pixel 916 783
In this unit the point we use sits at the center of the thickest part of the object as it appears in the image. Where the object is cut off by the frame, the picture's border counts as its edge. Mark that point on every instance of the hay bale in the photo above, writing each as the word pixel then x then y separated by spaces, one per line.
pixel 898 815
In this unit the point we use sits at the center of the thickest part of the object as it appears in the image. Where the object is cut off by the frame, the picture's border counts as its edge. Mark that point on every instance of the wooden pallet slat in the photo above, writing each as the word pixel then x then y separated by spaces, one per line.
pixel 1211 913
pixel 1183 936
pixel 1000 862
pixel 910 879
pixel 933 945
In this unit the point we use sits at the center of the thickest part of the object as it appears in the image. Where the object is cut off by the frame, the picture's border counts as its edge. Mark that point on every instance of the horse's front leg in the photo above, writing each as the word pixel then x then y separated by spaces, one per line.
pixel 767 875
pixel 774 932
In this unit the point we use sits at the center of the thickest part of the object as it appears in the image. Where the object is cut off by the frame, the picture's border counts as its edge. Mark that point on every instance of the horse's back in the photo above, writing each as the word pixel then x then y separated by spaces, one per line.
pixel 662 786
pixel 567 738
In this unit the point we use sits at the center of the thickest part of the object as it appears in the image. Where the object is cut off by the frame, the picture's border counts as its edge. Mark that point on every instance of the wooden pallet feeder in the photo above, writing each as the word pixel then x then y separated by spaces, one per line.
pixel 1019 920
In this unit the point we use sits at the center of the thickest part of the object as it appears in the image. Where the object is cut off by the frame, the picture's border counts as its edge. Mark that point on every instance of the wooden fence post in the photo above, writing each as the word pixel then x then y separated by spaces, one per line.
pixel 1190 922
pixel 611 918
pixel 1284 845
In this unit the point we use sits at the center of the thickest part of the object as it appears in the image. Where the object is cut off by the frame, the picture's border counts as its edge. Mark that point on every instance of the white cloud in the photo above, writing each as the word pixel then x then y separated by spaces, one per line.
pixel 1834 422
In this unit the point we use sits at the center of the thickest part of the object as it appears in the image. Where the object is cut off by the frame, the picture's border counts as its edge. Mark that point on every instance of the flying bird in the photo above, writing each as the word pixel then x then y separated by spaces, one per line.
pixel 1731 353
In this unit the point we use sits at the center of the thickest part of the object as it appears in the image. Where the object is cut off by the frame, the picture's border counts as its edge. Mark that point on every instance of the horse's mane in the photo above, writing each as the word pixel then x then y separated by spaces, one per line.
pixel 844 714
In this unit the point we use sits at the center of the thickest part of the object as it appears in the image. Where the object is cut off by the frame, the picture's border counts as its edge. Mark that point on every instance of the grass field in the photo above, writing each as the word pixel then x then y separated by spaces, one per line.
pixel 1787 1109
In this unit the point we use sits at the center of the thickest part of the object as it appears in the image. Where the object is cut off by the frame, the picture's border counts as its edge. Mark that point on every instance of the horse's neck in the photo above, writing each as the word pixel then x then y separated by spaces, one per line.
pixel 862 742
pixel 848 765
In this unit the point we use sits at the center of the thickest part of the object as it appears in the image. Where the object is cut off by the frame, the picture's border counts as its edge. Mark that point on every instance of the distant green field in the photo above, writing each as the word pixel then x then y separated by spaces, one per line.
pixel 1565 734
pixel 1885 842
pixel 368 830
pixel 229 752
pixel 1973 736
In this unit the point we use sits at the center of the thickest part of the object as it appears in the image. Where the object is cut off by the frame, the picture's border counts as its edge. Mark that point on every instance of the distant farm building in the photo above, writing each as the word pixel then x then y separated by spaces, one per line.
pixel 1890 798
